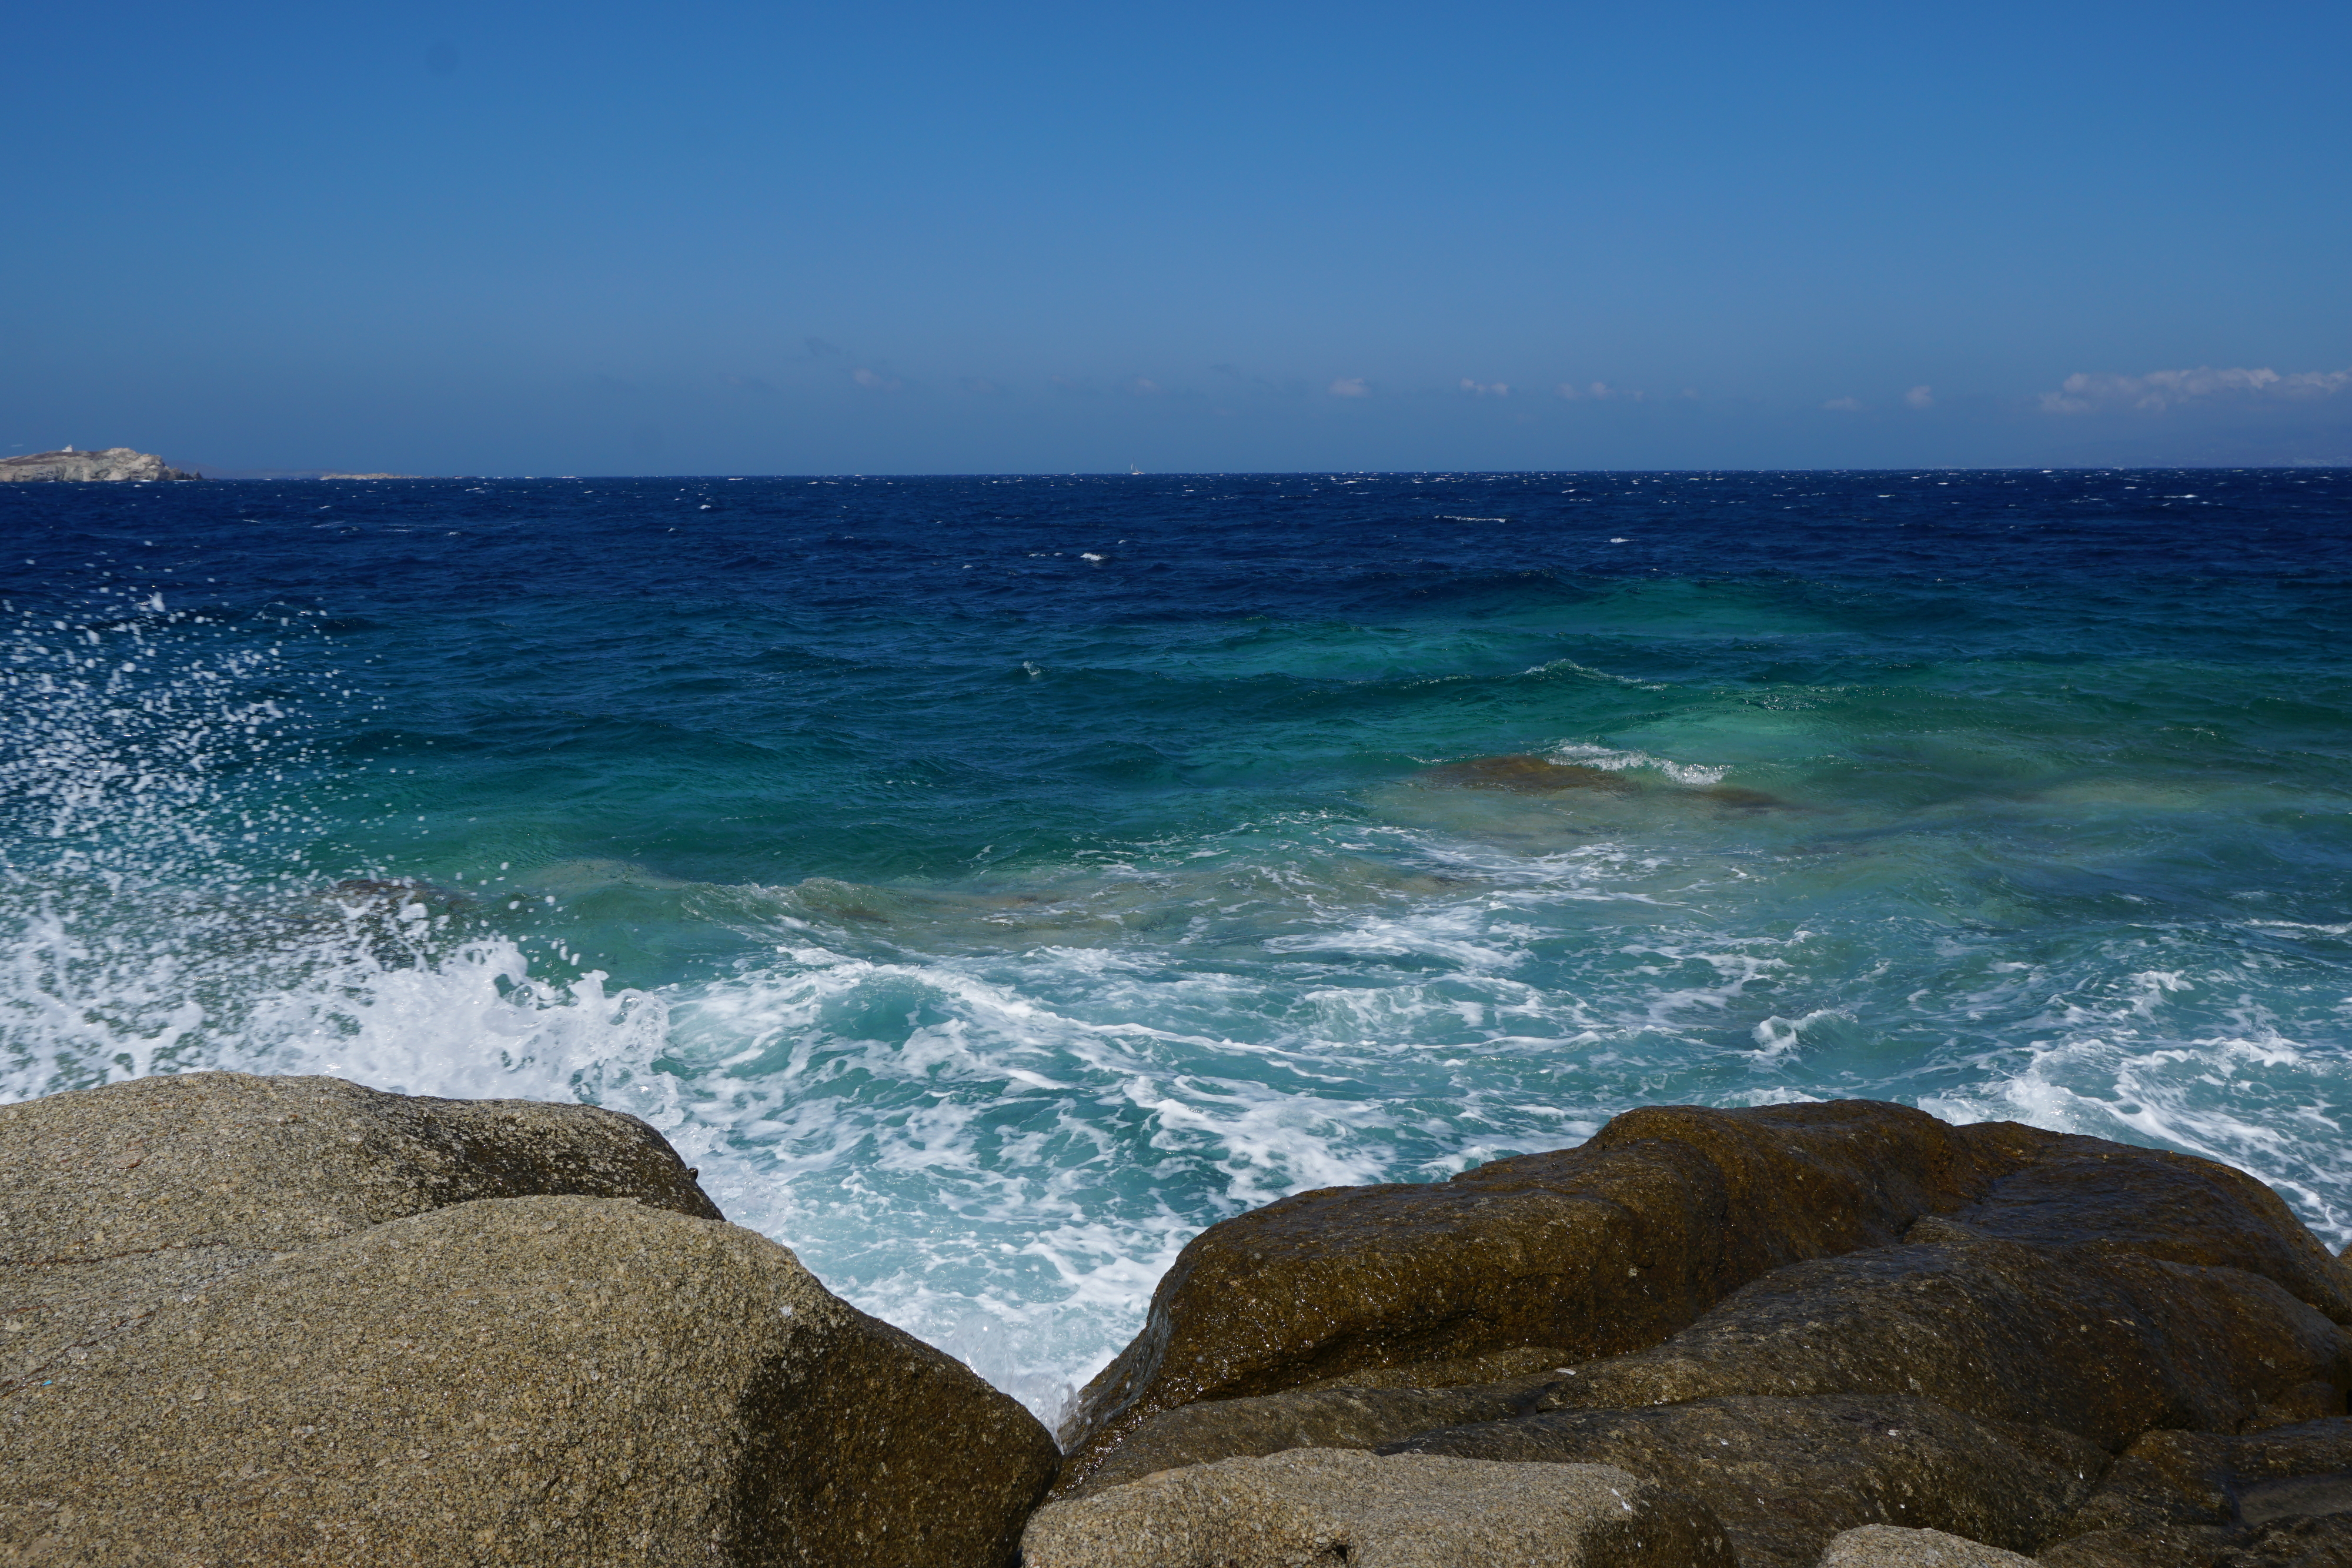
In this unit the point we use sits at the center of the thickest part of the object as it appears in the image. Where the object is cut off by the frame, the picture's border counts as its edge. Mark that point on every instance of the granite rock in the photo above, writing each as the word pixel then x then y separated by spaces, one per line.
pixel 2305 1542
pixel 1891 1546
pixel 116 1200
pixel 1317 1507
pixel 1588 1252
pixel 1303 1418
pixel 235 1159
pixel 2103 1344
pixel 517 1381
pixel 2084 1194
pixel 2218 1478
pixel 1786 1475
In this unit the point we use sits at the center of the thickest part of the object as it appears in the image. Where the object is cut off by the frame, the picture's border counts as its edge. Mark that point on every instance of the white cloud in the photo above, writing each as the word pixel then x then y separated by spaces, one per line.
pixel 1484 389
pixel 2160 390
pixel 1920 397
pixel 1351 386
pixel 873 383
pixel 1844 405
pixel 1600 392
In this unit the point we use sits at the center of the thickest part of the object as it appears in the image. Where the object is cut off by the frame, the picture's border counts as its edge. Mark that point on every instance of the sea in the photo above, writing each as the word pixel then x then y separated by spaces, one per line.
pixel 988 882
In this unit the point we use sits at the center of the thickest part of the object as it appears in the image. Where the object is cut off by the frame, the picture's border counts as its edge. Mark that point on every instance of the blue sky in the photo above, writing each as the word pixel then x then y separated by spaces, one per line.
pixel 894 237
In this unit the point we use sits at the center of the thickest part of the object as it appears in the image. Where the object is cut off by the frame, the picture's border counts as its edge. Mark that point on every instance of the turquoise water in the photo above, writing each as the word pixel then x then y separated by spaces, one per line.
pixel 989 883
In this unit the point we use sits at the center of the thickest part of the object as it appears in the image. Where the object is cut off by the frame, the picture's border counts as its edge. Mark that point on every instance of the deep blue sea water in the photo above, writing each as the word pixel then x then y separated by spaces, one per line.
pixel 989 883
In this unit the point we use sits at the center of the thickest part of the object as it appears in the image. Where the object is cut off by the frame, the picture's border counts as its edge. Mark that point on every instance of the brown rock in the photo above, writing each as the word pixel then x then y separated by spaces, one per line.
pixel 1313 1508
pixel 1785 1476
pixel 2157 1546
pixel 1587 1252
pixel 2215 1479
pixel 520 1380
pixel 2105 1345
pixel 1319 1418
pixel 2085 1195
pixel 2323 1542
pixel 1526 1363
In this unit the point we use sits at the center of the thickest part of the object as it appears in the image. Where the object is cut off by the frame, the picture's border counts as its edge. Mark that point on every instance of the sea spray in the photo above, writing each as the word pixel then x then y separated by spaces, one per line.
pixel 983 933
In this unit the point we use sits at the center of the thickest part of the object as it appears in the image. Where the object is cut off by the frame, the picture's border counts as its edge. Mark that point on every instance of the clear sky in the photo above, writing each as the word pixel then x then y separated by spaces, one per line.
pixel 719 237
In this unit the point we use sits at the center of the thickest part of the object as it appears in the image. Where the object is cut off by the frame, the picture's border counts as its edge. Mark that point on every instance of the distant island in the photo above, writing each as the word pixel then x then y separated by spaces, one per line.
pixel 116 463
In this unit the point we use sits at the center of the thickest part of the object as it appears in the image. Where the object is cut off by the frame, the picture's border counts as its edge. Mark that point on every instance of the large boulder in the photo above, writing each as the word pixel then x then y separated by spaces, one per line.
pixel 2117 1344
pixel 517 1381
pixel 280 1320
pixel 235 1159
pixel 1315 1508
pixel 2085 1195
pixel 1785 1476
pixel 116 1200
pixel 1570 1256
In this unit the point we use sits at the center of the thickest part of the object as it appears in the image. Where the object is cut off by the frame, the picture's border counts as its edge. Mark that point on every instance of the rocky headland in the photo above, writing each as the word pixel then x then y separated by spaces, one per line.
pixel 269 1321
pixel 115 463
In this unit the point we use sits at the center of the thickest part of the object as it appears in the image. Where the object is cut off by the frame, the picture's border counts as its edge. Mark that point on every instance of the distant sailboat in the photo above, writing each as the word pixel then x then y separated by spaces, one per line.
pixel 1133 470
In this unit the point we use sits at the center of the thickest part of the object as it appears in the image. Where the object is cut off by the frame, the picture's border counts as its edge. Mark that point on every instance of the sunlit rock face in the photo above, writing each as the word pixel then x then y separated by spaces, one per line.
pixel 113 463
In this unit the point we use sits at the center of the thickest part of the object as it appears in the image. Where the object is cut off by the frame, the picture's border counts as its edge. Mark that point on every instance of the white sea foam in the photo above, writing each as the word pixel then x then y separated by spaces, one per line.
pixel 995 1121
pixel 1618 761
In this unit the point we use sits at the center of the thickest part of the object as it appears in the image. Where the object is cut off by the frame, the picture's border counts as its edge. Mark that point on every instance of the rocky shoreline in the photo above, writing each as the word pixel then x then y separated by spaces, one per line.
pixel 115 464
pixel 269 1321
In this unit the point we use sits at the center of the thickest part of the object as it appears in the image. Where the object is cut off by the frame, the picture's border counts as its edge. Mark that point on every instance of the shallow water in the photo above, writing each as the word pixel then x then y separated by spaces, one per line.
pixel 989 883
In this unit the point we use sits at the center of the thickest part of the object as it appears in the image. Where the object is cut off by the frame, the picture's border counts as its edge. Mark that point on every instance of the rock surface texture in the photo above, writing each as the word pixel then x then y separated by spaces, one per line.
pixel 1891 1546
pixel 292 1321
pixel 1591 1251
pixel 1841 1329
pixel 2211 1497
pixel 114 463
pixel 1317 1507
pixel 1785 1476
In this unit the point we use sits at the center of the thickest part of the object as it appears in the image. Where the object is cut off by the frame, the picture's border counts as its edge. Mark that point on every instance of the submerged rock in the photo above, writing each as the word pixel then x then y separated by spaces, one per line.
pixel 1525 774
pixel 525 1381
pixel 113 463
pixel 1522 775
pixel 1786 1475
pixel 1313 1507
pixel 1588 1252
